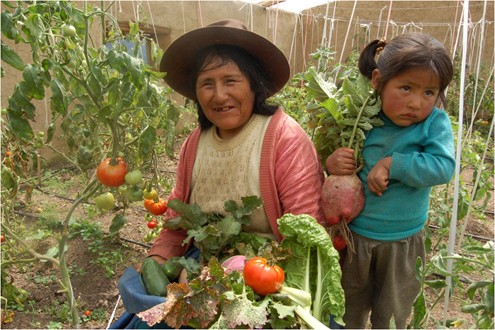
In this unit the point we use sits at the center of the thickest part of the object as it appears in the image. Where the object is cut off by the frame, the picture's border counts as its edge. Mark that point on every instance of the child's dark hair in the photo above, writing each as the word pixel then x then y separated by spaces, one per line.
pixel 405 52
pixel 247 64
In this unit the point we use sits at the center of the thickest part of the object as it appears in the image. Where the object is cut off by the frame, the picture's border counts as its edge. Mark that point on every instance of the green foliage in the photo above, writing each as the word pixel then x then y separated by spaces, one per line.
pixel 313 265
pixel 226 302
pixel 213 233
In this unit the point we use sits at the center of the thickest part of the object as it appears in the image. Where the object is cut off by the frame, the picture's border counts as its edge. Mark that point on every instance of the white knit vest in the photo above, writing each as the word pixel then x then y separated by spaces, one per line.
pixel 229 169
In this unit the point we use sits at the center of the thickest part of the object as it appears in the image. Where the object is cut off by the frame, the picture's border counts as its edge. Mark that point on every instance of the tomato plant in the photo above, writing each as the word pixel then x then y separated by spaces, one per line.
pixel 111 172
pixel 104 99
pixel 262 277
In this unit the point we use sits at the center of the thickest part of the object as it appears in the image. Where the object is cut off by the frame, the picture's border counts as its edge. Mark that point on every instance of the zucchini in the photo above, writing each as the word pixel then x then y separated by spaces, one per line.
pixel 154 278
pixel 172 268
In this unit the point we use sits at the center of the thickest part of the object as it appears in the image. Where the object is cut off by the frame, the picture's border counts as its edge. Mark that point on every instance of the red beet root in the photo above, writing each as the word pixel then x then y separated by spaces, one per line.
pixel 342 198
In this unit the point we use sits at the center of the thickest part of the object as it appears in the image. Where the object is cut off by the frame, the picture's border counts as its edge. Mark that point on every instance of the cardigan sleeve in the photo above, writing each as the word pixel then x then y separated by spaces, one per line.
pixel 298 172
pixel 291 175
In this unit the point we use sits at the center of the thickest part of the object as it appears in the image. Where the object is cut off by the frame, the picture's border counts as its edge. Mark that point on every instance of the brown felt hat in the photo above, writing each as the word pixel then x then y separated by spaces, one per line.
pixel 178 58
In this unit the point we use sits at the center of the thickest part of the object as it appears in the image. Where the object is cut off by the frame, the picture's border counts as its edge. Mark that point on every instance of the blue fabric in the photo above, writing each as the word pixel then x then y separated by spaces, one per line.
pixel 136 299
pixel 133 292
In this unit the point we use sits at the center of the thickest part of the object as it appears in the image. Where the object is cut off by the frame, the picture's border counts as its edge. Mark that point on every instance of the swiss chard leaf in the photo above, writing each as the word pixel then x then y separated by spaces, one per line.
pixel 313 263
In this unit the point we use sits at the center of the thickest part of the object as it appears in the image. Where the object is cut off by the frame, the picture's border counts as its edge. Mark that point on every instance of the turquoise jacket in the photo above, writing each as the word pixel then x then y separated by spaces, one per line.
pixel 422 157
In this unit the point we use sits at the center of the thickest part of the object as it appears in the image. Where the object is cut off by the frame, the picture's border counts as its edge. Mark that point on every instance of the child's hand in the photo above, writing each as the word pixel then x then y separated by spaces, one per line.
pixel 378 176
pixel 341 162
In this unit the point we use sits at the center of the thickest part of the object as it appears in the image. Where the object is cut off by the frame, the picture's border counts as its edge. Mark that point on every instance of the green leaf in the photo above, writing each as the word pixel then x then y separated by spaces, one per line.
pixel 35 25
pixel 419 308
pixel 32 86
pixel 9 180
pixel 20 127
pixel 8 27
pixel 58 101
pixel 11 57
pixel 436 284
pixel 118 223
pixel 147 141
pixel 239 311
pixel 332 106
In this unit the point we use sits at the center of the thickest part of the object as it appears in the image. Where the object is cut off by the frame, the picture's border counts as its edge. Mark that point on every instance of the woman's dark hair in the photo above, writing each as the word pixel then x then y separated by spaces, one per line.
pixel 247 64
pixel 405 52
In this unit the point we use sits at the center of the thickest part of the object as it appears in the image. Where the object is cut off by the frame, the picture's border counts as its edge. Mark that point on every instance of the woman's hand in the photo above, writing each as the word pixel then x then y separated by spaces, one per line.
pixel 378 177
pixel 341 162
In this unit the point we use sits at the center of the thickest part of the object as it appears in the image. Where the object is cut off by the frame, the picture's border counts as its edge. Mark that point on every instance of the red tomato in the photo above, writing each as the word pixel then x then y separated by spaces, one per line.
pixel 156 208
pixel 2 239
pixel 110 174
pixel 152 224
pixel 8 153
pixel 263 278
pixel 87 312
pixel 339 242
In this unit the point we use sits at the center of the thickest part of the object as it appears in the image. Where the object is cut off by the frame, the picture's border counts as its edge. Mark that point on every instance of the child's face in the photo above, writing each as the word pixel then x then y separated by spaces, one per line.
pixel 409 97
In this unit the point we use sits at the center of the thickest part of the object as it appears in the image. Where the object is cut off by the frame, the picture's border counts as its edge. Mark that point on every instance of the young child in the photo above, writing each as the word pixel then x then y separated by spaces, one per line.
pixel 404 158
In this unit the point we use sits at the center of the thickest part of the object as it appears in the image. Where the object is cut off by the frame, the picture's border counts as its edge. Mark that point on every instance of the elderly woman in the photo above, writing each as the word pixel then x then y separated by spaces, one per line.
pixel 243 145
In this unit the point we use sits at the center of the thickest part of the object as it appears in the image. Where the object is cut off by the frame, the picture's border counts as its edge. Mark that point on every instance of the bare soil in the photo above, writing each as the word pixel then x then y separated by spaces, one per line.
pixel 94 289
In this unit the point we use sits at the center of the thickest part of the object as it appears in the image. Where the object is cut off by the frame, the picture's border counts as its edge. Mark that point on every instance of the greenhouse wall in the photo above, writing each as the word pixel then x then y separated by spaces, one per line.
pixel 341 26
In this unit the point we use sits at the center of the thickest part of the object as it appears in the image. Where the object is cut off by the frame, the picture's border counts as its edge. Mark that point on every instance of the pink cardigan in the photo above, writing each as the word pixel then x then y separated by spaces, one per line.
pixel 291 178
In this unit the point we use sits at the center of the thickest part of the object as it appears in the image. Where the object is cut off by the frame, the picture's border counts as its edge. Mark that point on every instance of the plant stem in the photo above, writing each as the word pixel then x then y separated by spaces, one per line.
pixel 356 123
pixel 64 269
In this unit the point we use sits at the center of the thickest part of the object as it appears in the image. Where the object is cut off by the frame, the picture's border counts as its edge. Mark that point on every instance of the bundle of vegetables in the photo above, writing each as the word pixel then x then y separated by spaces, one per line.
pixel 303 290
pixel 344 114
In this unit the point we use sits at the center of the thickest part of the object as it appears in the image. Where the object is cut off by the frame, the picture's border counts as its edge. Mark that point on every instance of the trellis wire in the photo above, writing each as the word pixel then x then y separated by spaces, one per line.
pixel 475 187
pixel 453 221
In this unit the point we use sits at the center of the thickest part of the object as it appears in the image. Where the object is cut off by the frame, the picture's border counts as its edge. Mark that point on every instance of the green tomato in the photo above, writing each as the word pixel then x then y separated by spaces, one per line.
pixel 105 201
pixel 68 30
pixel 84 156
pixel 134 195
pixel 133 177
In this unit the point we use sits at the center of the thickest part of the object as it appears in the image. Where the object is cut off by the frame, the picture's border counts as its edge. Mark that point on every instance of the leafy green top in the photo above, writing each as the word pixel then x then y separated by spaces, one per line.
pixel 345 113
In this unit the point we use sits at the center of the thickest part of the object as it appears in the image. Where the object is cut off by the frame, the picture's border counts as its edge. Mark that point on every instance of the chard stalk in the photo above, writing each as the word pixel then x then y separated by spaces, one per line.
pixel 319 281
pixel 309 319
pixel 300 297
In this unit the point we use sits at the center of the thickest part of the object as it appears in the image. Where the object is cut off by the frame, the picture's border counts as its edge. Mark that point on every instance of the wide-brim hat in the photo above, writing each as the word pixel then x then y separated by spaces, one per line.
pixel 177 61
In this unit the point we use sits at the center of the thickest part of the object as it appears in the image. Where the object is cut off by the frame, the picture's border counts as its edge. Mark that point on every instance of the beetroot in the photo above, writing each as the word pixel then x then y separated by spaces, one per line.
pixel 342 198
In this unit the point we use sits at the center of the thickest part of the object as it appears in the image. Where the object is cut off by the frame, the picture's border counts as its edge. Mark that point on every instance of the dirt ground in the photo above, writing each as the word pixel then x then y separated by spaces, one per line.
pixel 94 290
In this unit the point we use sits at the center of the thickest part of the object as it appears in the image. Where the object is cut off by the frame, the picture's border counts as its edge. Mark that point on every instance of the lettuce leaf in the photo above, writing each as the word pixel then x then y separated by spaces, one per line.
pixel 313 265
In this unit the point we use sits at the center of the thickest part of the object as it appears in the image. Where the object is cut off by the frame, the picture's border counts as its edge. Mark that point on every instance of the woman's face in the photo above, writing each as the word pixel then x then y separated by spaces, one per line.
pixel 409 97
pixel 224 93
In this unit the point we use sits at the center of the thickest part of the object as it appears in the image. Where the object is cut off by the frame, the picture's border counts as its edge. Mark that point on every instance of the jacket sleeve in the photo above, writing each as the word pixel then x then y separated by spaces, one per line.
pixel 170 243
pixel 435 164
pixel 298 171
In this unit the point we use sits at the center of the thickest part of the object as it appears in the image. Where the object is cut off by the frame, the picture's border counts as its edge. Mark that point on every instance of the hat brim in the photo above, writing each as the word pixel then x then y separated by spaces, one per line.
pixel 178 58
